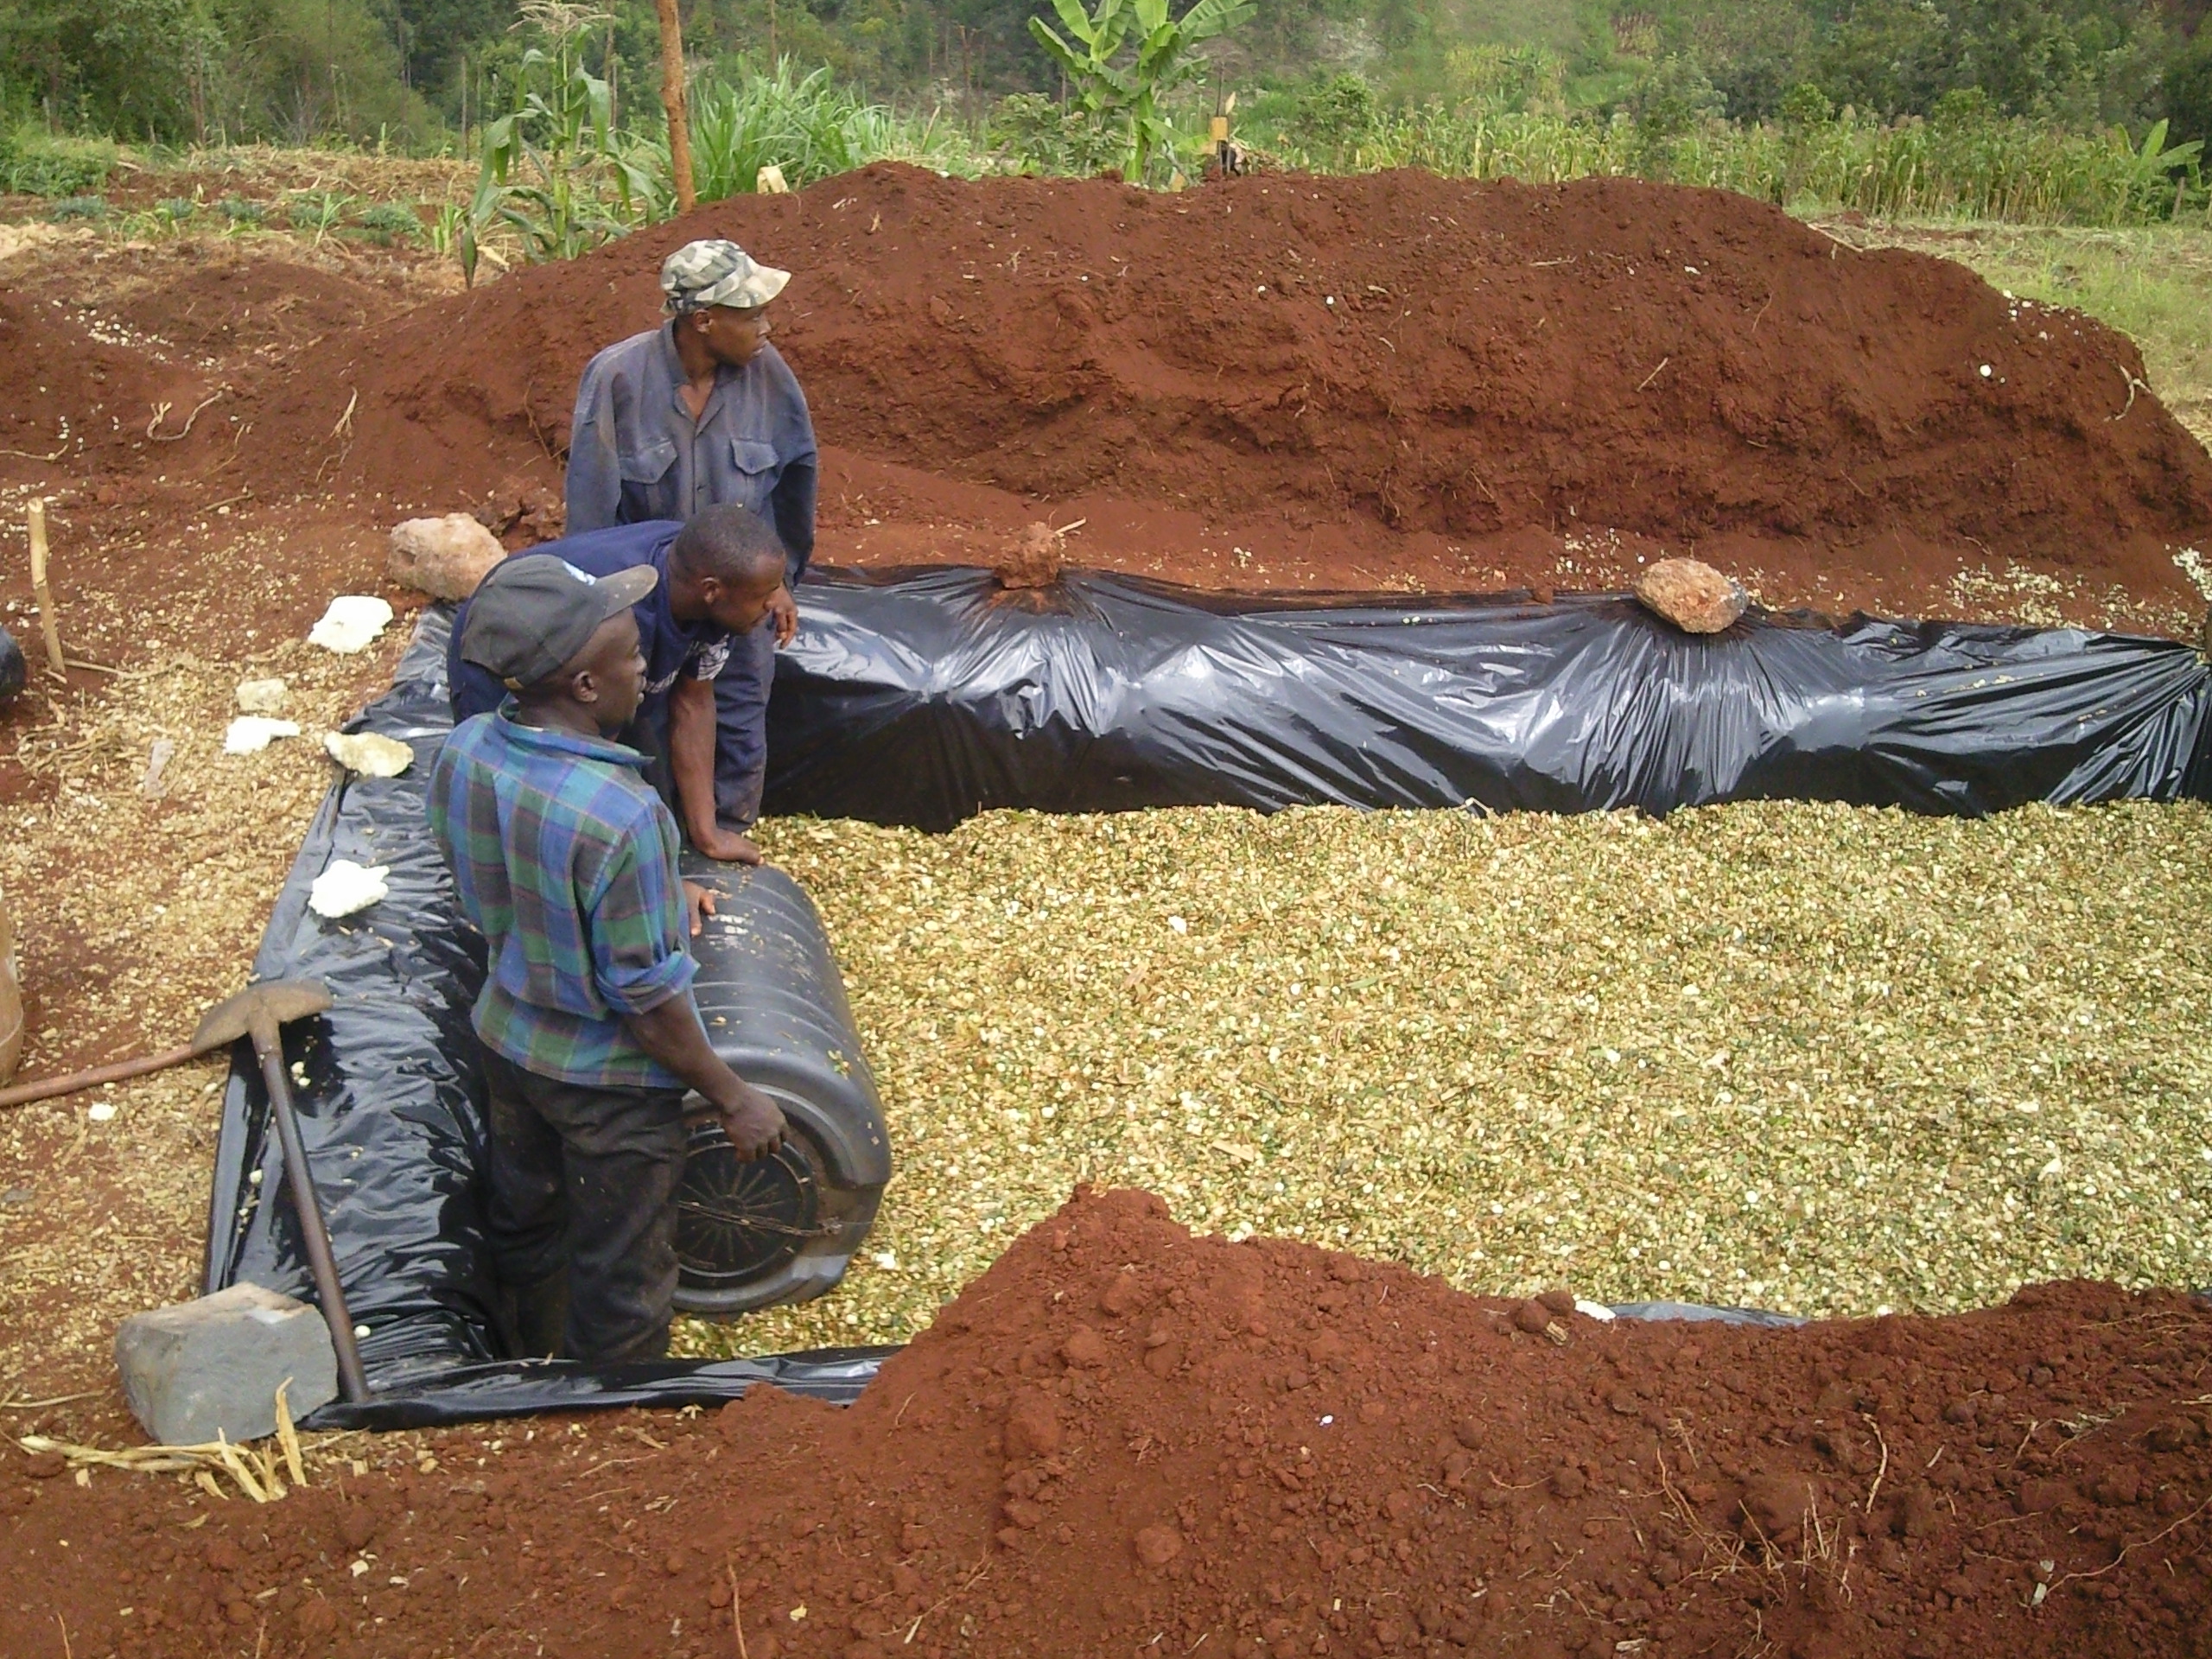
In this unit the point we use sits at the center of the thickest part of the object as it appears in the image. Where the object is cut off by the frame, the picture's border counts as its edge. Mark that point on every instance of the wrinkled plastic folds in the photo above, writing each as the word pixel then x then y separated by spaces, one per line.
pixel 923 698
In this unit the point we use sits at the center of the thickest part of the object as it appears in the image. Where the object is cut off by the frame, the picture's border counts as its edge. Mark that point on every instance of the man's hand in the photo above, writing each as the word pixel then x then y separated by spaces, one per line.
pixel 784 609
pixel 752 1122
pixel 726 846
pixel 698 905
pixel 671 1034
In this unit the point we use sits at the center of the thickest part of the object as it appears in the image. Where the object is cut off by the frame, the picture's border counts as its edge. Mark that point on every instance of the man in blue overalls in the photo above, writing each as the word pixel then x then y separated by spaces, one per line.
pixel 717 576
pixel 702 412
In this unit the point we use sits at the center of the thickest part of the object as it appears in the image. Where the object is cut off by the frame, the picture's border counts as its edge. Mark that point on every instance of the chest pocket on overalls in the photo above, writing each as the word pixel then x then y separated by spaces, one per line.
pixel 648 462
pixel 753 472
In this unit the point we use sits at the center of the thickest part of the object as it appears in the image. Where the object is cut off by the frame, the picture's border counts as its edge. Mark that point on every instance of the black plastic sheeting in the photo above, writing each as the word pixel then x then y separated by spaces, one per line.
pixel 923 698
pixel 512 1389
pixel 395 1140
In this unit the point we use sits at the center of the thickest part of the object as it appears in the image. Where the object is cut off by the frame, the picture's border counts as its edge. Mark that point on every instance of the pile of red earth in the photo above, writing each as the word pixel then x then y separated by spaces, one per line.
pixel 1126 1440
pixel 1468 358
pixel 67 396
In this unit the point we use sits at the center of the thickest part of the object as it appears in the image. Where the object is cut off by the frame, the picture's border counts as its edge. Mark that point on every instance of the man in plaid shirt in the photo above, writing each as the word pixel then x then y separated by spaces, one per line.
pixel 566 860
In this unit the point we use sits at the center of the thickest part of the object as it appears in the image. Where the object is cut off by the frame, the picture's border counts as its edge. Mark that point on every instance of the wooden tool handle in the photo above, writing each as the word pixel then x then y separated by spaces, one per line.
pixel 269 1050
pixel 50 626
pixel 23 1093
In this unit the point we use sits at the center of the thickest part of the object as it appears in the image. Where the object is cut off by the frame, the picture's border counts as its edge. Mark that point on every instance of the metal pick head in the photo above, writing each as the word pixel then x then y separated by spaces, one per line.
pixel 279 1000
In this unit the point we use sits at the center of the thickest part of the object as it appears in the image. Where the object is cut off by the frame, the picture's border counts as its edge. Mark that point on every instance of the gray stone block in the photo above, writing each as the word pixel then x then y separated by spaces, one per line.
pixel 216 1364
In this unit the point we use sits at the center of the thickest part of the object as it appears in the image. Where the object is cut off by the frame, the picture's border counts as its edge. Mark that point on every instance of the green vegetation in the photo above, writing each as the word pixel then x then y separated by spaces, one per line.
pixel 418 73
pixel 35 163
pixel 1125 94
pixel 1978 165
pixel 555 171
pixel 2085 112
pixel 561 177
pixel 806 124
pixel 206 70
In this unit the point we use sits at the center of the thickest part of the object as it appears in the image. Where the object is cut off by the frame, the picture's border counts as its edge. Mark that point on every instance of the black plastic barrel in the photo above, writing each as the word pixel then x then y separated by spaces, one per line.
pixel 781 1228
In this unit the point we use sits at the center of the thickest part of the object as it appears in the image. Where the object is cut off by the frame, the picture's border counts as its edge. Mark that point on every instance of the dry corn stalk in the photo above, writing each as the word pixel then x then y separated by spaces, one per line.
pixel 250 1467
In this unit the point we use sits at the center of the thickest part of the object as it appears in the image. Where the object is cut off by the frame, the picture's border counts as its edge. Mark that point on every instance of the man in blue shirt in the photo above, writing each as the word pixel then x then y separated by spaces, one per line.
pixel 703 411
pixel 718 577
pixel 566 862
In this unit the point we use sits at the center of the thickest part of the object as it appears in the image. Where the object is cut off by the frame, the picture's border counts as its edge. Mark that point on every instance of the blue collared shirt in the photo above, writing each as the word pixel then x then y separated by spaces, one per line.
pixel 673 649
pixel 635 453
pixel 566 862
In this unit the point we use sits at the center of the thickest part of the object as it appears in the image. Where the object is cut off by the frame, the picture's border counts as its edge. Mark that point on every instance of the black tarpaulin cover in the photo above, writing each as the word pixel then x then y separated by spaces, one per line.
pixel 924 697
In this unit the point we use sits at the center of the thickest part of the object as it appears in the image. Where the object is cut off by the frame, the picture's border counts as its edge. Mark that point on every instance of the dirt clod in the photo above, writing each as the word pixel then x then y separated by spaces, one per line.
pixel 1033 1426
pixel 1031 559
pixel 1156 1546
pixel 1780 1507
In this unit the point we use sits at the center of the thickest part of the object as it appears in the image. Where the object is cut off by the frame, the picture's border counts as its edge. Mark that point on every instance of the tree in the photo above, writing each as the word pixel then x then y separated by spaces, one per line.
pixel 2188 88
pixel 1126 95
pixel 1755 52
pixel 1671 96
pixel 671 101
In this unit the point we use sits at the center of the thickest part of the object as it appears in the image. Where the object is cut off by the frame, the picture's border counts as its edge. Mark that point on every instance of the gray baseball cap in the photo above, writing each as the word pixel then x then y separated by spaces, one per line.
pixel 699 275
pixel 534 612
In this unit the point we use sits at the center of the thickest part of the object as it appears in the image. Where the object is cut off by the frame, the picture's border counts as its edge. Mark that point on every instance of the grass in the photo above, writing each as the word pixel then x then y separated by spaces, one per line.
pixel 806 126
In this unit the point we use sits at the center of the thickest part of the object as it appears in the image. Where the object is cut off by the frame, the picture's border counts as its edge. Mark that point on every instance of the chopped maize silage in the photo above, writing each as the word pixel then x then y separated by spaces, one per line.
pixel 1821 1058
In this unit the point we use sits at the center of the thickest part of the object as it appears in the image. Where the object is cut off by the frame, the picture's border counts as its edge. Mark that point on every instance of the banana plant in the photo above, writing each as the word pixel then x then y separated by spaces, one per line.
pixel 2154 164
pixel 1124 90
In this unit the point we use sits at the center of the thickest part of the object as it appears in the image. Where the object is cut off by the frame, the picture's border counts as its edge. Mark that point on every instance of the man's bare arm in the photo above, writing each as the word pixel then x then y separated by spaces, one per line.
pixel 691 739
pixel 671 1034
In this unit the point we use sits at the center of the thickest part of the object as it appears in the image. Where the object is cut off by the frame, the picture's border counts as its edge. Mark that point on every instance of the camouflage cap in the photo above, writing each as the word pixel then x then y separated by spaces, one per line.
pixel 702 274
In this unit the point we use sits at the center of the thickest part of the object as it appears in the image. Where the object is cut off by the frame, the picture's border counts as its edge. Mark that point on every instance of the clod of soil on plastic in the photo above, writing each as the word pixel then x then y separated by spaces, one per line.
pixel 1030 559
pixel 1126 1439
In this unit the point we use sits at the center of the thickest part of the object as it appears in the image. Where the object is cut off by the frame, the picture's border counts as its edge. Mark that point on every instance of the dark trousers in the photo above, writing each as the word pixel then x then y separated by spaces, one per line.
pixel 582 1212
pixel 741 726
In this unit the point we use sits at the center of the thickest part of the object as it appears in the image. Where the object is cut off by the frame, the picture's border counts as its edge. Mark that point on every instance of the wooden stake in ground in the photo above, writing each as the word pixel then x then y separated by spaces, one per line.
pixel 48 625
pixel 672 100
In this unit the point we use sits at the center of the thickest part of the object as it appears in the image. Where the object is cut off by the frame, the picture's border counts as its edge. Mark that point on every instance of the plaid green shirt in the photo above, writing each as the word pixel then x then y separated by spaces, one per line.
pixel 566 860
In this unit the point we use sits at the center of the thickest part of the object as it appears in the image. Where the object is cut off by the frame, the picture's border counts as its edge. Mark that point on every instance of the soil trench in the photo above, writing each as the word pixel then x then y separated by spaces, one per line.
pixel 1127 1440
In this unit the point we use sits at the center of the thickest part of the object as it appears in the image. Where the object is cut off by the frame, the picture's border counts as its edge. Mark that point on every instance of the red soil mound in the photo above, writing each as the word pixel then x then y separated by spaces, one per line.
pixel 80 398
pixel 1468 358
pixel 1125 1441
